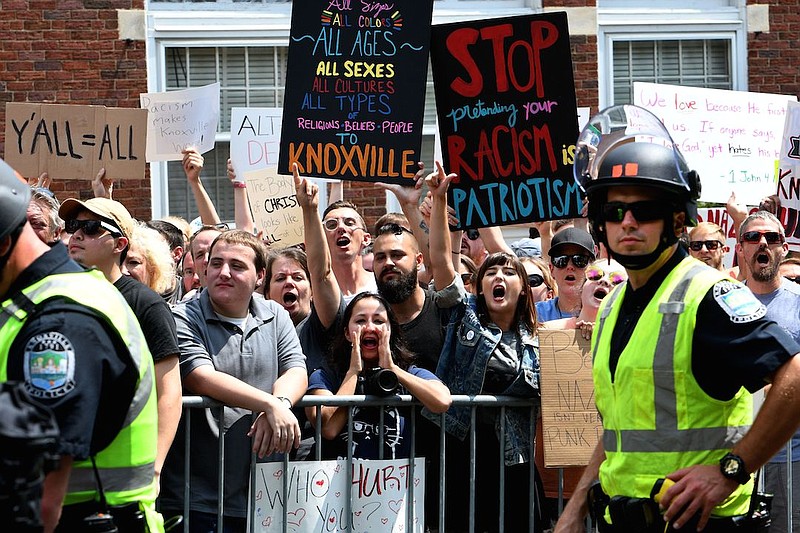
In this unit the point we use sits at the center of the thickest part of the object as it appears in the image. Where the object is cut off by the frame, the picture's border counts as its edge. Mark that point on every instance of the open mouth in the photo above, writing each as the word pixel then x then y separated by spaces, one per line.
pixel 762 259
pixel 289 298
pixel 369 342
pixel 342 241
pixel 569 277
pixel 498 292
pixel 600 293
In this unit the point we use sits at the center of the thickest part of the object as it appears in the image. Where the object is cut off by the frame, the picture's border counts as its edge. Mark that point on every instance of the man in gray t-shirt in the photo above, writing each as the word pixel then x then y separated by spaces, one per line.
pixel 243 351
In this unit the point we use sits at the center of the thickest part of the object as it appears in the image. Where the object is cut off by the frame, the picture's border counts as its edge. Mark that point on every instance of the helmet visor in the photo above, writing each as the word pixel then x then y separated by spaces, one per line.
pixel 614 127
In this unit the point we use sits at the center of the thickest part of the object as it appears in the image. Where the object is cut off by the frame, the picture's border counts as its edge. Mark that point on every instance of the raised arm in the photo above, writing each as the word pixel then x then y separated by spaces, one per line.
pixel 192 165
pixel 440 245
pixel 494 241
pixel 241 207
pixel 324 287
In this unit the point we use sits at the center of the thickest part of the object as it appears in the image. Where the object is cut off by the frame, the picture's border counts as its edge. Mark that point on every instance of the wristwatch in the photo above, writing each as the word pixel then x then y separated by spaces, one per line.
pixel 732 467
pixel 285 400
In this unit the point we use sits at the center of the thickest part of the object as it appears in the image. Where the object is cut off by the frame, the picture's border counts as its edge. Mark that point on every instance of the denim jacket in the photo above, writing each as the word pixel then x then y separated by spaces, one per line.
pixel 462 367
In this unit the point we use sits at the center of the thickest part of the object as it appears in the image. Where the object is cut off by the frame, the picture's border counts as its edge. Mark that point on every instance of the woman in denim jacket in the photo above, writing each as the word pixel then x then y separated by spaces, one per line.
pixel 490 348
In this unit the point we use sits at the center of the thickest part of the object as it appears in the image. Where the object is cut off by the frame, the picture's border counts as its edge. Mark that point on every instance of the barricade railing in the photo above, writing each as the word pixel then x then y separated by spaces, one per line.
pixel 437 523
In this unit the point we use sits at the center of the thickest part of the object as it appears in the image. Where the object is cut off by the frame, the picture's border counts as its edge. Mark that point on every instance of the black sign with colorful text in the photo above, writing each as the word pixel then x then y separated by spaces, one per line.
pixel 505 98
pixel 355 89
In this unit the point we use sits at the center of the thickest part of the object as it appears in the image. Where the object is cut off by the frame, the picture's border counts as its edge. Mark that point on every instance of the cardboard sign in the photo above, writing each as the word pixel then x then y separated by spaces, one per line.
pixel 355 89
pixel 273 202
pixel 318 491
pixel 731 138
pixel 789 176
pixel 75 141
pixel 571 425
pixel 505 99
pixel 255 138
pixel 177 120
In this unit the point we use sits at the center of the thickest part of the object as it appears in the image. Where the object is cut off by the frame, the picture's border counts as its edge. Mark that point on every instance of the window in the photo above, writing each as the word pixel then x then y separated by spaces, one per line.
pixel 249 77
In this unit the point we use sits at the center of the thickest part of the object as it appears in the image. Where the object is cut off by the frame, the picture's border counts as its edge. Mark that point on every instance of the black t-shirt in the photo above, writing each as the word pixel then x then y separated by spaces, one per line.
pixel 154 315
pixel 726 355
pixel 425 333
pixel 73 362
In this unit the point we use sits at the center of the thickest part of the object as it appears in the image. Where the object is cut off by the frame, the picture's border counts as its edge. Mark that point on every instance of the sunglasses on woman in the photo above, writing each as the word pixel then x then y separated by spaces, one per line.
pixel 535 280
pixel 579 260
pixel 90 227
pixel 596 274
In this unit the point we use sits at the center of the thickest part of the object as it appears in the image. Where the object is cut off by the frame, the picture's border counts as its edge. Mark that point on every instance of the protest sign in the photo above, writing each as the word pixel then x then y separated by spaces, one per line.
pixel 505 99
pixel 75 141
pixel 273 202
pixel 789 176
pixel 571 426
pixel 355 89
pixel 177 120
pixel 255 138
pixel 316 498
pixel 731 138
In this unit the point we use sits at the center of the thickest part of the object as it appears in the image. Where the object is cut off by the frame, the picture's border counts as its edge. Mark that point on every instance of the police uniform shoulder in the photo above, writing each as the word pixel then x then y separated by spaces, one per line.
pixel 736 300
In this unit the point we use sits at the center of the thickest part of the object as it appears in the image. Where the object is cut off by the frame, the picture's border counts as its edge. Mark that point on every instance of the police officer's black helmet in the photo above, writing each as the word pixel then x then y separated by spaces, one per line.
pixel 628 145
pixel 14 198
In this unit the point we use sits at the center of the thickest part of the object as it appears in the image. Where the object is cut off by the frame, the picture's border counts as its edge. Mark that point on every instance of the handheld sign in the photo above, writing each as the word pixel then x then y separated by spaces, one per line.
pixel 731 138
pixel 571 425
pixel 317 495
pixel 355 89
pixel 177 120
pixel 789 176
pixel 505 99
pixel 255 138
pixel 273 201
pixel 75 141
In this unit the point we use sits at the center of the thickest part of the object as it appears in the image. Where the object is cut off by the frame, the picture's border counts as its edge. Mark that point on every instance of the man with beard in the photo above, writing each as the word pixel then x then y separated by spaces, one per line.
pixel 763 246
pixel 707 244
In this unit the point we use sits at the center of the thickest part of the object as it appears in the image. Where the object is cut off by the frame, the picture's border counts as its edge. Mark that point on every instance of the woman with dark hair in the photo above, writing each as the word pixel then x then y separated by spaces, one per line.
pixel 490 348
pixel 368 356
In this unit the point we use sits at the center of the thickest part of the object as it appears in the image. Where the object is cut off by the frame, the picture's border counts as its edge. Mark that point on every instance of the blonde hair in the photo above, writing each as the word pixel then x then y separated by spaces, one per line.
pixel 155 250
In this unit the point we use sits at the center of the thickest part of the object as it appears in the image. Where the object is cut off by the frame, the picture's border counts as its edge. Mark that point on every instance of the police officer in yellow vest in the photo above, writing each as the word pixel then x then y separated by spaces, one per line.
pixel 676 351
pixel 68 335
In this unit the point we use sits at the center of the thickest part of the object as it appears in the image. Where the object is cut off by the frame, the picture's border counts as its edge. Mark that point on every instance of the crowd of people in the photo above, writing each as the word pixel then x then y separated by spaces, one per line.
pixel 134 314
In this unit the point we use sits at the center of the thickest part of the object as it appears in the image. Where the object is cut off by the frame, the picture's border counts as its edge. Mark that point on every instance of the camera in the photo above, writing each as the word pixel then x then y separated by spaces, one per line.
pixel 378 382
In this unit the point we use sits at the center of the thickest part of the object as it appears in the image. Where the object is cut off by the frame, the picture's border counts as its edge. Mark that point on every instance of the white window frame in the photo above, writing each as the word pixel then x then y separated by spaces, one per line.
pixel 656 23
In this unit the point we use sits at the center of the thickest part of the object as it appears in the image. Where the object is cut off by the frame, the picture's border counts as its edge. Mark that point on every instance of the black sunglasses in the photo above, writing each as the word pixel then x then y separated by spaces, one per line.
pixel 534 280
pixel 579 260
pixel 473 235
pixel 754 237
pixel 394 228
pixel 696 246
pixel 796 279
pixel 90 227
pixel 644 211
pixel 466 277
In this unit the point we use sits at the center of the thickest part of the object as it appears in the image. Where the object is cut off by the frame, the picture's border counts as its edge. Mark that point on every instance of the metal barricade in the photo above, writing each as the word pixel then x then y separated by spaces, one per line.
pixel 438 523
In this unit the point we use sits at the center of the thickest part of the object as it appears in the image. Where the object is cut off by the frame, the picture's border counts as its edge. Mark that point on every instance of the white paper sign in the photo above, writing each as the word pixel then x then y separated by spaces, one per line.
pixel 731 138
pixel 318 490
pixel 255 138
pixel 177 120
pixel 789 173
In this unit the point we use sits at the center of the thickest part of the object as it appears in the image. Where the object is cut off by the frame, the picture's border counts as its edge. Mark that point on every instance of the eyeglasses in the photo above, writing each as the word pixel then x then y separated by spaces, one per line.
pixel 90 227
pixel 696 246
pixel 392 227
pixel 596 274
pixel 579 260
pixel 796 279
pixel 754 237
pixel 534 280
pixel 472 234
pixel 466 277
pixel 644 211
pixel 350 223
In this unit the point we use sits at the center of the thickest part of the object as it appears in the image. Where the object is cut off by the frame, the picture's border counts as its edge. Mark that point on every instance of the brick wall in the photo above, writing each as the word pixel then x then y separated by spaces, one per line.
pixel 67 52
pixel 773 57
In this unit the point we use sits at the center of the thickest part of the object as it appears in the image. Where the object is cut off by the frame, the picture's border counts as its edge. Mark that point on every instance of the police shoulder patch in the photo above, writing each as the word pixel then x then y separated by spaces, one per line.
pixel 738 302
pixel 49 363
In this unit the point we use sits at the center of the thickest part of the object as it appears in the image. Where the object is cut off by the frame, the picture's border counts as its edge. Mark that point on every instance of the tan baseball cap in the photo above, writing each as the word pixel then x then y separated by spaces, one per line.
pixel 111 210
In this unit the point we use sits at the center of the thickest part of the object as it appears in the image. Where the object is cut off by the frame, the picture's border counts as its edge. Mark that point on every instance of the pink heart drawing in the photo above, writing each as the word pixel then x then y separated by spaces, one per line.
pixel 357 513
pixel 278 474
pixel 259 495
pixel 332 519
pixel 395 505
pixel 416 482
pixel 319 483
pixel 337 493
pixel 399 527
pixel 267 521
pixel 384 521
pixel 296 517
pixel 338 467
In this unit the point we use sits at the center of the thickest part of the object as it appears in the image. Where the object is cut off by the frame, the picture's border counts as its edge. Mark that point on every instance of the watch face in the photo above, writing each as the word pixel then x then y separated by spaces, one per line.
pixel 731 467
